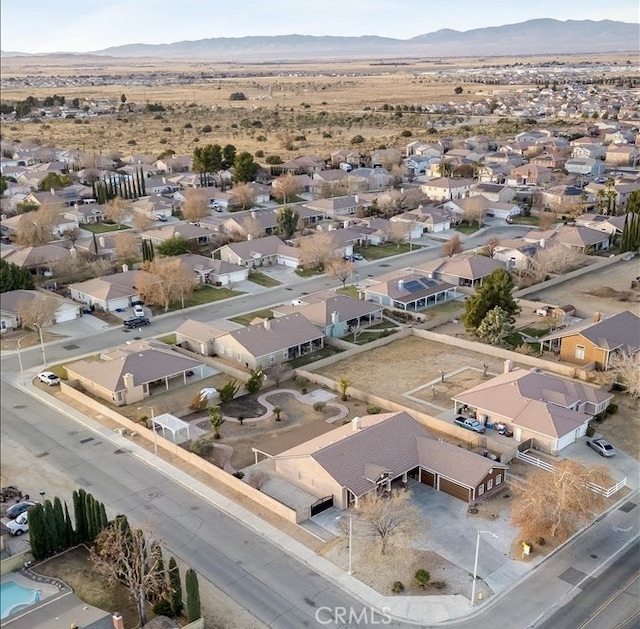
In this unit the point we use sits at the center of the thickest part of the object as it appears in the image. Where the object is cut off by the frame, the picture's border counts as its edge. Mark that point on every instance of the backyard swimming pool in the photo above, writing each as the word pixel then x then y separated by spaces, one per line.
pixel 14 596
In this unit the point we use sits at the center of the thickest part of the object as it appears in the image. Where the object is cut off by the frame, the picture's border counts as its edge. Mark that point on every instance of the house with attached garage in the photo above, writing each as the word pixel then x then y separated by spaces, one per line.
pixel 517 253
pixel 109 292
pixel 447 188
pixel 425 219
pixel 40 260
pixel 199 337
pixel 376 453
pixel 273 341
pixel 133 372
pixel 595 342
pixel 257 252
pixel 551 411
pixel 335 315
pixel 480 206
pixel 14 302
pixel 461 269
pixel 211 271
pixel 193 233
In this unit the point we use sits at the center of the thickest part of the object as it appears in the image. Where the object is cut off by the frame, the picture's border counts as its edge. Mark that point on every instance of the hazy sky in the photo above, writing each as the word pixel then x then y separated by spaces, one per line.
pixel 88 25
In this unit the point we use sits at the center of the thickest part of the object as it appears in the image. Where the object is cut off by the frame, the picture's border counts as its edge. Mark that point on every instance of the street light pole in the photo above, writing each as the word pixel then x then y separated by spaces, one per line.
pixel 20 361
pixel 153 427
pixel 44 356
pixel 475 565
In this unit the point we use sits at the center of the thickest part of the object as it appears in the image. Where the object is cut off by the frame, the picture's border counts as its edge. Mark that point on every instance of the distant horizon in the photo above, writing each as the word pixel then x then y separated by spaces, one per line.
pixel 69 26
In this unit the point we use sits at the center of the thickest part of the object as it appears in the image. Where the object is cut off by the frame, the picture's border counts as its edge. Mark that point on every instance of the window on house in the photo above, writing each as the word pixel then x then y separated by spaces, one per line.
pixel 480 490
pixel 272 359
pixel 498 479
pixel 238 356
pixel 489 484
pixel 580 352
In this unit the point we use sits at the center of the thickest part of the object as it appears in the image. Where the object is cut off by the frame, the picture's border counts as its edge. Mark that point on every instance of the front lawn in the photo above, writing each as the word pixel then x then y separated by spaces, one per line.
pixel 524 220
pixel 169 339
pixel 384 251
pixel 465 228
pixel 200 297
pixel 263 280
pixel 308 272
pixel 349 291
pixel 246 319
pixel 102 228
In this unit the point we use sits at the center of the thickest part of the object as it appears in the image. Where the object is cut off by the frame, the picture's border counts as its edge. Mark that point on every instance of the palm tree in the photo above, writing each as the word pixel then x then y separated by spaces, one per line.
pixel 277 410
pixel 216 420
pixel 343 384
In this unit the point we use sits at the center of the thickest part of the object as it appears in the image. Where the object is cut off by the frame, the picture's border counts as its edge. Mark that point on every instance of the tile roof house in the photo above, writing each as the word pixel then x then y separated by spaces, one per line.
pixel 461 270
pixel 270 342
pixel 578 237
pixel 425 219
pixel 481 206
pixel 552 411
pixel 529 174
pixel 109 292
pixel 193 233
pixel 129 373
pixel 369 453
pixel 40 259
pixel 407 290
pixel 257 252
pixel 517 253
pixel 336 315
pixel 212 271
pixel 199 337
pixel 594 342
pixel 338 207
pixel 493 191
pixel 447 188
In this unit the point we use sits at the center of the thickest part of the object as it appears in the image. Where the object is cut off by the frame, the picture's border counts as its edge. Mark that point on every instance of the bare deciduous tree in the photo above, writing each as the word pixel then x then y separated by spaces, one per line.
pixel 546 220
pixel 126 556
pixel 626 366
pixel 280 372
pixel 142 221
pixel 452 246
pixel 557 258
pixel 258 478
pixel 285 187
pixel 251 226
pixel 342 269
pixel 242 195
pixel 195 206
pixel 317 250
pixel 116 210
pixel 71 234
pixel 39 311
pixel 398 231
pixel 126 246
pixel 36 228
pixel 167 280
pixel 490 246
pixel 388 518
pixel 556 504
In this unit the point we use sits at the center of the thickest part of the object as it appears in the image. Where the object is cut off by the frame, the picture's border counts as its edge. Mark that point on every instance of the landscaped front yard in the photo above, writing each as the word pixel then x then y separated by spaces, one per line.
pixel 205 295
pixel 263 280
pixel 247 318
pixel 384 251
pixel 103 228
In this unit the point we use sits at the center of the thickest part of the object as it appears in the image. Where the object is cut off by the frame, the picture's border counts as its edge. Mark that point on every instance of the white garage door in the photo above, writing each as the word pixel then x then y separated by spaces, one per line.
pixel 68 314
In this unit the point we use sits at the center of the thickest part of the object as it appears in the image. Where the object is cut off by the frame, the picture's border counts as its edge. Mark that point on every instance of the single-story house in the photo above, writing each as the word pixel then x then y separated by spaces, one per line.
pixel 371 452
pixel 129 373
pixel 255 252
pixel 153 206
pixel 40 259
pixel 211 271
pixel 554 412
pixel 493 191
pixel 193 233
pixel 594 342
pixel 585 166
pixel 517 253
pixel 407 290
pixel 425 219
pixel 529 175
pixel 109 292
pixel 337 207
pixel 479 206
pixel 461 270
pixel 198 337
pixel 578 237
pixel 273 341
pixel 13 301
pixel 336 315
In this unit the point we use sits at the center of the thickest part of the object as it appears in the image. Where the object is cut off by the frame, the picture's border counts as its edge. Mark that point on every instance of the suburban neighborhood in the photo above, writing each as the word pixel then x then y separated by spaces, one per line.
pixel 412 369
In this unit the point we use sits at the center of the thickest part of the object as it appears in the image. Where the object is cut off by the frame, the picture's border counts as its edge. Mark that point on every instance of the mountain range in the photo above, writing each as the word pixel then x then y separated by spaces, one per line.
pixel 533 37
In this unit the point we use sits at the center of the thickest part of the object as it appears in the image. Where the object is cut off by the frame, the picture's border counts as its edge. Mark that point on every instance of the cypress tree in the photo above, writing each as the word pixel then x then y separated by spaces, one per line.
pixel 176 588
pixel 193 595
pixel 50 529
pixel 144 186
pixel 91 517
pixel 59 525
pixel 37 532
pixel 103 517
pixel 80 515
pixel 96 518
pixel 69 534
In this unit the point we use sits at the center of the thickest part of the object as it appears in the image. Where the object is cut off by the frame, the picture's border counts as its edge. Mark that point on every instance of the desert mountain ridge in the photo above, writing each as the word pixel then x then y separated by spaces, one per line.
pixel 533 37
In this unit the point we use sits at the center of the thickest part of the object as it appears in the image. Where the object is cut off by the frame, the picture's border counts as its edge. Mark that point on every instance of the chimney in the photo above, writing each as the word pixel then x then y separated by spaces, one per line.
pixel 508 366
pixel 125 268
pixel 596 317
pixel 128 381
pixel 356 424
pixel 334 318
pixel 543 243
pixel 400 285
pixel 267 324
pixel 102 241
pixel 118 622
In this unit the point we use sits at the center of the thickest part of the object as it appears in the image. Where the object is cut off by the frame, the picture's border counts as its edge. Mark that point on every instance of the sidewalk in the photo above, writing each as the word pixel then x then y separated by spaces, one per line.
pixel 409 609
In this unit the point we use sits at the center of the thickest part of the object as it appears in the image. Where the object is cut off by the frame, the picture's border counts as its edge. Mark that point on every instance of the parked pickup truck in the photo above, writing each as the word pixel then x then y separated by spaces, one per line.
pixel 469 424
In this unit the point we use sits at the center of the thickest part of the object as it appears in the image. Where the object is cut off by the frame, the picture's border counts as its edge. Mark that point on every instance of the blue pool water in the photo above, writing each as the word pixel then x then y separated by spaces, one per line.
pixel 14 596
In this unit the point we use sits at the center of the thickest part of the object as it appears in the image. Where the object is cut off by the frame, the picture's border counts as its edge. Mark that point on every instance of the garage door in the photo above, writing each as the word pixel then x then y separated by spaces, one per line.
pixel 428 478
pixel 69 314
pixel 453 489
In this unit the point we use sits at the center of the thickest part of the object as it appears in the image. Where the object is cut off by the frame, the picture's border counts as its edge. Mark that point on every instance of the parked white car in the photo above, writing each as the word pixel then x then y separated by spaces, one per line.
pixel 48 377
pixel 20 525
pixel 138 311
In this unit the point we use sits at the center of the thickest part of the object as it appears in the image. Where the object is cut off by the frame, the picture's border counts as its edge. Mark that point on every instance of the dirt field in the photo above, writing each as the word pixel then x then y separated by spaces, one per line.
pixel 414 362
pixel 606 291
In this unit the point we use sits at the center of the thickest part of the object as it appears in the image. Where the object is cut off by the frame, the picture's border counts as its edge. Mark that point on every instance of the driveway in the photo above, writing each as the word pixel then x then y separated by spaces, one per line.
pixel 83 326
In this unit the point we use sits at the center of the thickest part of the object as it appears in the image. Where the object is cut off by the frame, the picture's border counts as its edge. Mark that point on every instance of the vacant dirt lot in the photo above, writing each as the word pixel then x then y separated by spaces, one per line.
pixel 409 363
pixel 606 291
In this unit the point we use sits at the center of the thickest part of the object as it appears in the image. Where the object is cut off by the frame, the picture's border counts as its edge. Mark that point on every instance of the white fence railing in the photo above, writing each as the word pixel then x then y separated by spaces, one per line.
pixel 606 492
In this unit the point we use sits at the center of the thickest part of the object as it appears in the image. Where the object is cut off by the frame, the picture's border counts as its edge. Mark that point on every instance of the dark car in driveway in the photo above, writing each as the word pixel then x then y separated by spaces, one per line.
pixel 136 322
pixel 15 510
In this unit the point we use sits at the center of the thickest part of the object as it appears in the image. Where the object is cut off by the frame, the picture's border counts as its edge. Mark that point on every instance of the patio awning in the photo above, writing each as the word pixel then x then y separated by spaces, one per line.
pixel 173 424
